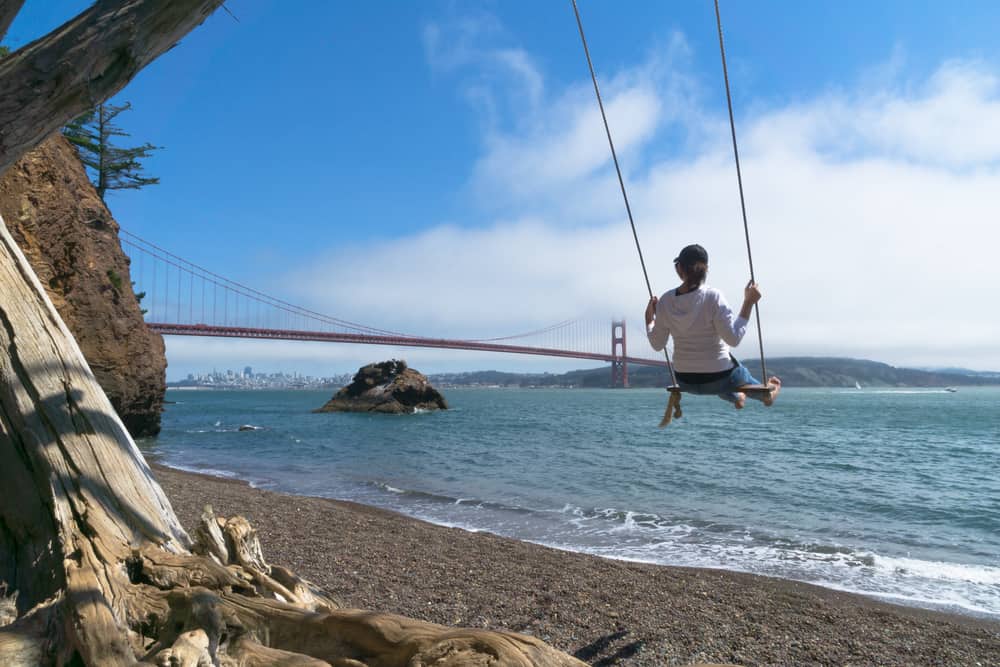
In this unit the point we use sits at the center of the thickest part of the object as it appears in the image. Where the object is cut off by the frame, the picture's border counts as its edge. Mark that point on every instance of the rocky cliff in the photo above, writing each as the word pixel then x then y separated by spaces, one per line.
pixel 71 241
pixel 388 386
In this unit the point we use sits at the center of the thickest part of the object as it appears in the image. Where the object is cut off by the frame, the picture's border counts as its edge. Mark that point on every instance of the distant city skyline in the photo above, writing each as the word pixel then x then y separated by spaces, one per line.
pixel 246 378
pixel 347 359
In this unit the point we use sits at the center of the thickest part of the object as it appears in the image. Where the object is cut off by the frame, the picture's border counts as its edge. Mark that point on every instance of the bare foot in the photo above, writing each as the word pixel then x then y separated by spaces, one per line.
pixel 741 400
pixel 775 385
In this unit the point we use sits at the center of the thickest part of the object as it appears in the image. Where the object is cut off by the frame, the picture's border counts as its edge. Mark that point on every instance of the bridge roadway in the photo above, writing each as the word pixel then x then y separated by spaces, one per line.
pixel 371 339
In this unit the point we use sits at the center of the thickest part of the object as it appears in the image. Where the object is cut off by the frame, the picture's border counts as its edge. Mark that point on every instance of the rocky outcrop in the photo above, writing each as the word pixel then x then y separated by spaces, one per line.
pixel 71 241
pixel 388 386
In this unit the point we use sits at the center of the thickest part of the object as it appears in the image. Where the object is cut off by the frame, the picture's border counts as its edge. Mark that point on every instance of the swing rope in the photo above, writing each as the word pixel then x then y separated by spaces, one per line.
pixel 739 181
pixel 673 407
pixel 628 208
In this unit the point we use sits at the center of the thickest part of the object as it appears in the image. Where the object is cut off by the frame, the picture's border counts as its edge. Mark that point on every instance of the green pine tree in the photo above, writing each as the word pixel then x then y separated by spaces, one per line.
pixel 110 167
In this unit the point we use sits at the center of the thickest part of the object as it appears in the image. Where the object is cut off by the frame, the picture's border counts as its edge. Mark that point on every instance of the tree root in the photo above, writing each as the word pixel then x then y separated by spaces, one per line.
pixel 190 650
pixel 248 653
pixel 245 612
pixel 26 641
pixel 246 628
pixel 172 610
pixel 8 606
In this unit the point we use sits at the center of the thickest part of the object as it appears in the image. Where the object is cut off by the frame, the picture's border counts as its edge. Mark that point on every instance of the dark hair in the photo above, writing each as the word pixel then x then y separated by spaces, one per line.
pixel 695 272
pixel 693 260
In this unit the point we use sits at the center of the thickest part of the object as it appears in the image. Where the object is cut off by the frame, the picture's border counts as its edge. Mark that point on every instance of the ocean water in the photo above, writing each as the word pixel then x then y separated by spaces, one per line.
pixel 890 493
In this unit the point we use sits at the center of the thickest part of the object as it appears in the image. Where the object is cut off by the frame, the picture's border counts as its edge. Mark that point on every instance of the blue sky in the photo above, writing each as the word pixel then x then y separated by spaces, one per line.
pixel 457 141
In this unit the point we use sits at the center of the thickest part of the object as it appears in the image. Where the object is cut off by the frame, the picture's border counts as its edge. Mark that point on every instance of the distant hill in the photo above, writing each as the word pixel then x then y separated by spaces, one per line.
pixel 495 379
pixel 993 375
pixel 794 372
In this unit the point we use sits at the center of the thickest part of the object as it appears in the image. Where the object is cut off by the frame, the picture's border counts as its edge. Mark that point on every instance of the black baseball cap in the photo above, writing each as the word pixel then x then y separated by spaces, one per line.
pixel 691 255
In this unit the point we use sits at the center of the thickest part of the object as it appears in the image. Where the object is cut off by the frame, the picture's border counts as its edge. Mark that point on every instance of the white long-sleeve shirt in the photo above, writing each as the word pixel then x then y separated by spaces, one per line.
pixel 703 326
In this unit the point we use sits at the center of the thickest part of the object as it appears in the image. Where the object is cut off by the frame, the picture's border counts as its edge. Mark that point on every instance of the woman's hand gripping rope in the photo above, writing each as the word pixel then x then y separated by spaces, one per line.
pixel 651 310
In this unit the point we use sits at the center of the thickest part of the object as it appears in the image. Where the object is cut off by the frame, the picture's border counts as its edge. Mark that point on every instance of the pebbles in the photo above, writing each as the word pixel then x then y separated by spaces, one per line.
pixel 603 611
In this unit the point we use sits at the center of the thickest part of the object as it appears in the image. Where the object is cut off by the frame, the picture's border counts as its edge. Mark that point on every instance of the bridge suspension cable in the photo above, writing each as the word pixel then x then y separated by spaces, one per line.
pixel 147 248
pixel 183 298
pixel 552 327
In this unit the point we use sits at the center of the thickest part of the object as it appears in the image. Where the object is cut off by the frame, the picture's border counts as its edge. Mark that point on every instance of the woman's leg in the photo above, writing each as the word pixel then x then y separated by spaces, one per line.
pixel 737 398
pixel 729 388
pixel 775 383
pixel 766 397
pixel 741 377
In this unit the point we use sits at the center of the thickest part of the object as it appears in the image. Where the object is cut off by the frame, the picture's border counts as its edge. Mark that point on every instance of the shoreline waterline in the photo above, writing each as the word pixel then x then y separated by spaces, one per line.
pixel 855 493
pixel 904 601
pixel 378 559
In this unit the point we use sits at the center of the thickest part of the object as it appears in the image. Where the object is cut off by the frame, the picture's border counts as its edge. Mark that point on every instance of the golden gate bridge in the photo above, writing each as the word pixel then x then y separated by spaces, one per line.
pixel 181 298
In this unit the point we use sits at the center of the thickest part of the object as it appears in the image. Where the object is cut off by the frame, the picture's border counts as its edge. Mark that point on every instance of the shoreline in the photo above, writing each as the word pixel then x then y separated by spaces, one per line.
pixel 903 601
pixel 605 611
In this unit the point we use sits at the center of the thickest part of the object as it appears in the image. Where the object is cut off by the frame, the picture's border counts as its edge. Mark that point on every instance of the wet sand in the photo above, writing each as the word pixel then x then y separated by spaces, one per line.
pixel 605 612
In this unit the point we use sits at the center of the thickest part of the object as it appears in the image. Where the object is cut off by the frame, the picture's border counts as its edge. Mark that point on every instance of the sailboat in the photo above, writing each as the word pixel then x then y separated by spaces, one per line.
pixel 857 385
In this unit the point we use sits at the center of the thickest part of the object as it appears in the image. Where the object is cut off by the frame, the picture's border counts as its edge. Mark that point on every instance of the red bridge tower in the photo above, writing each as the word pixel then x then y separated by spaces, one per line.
pixel 619 367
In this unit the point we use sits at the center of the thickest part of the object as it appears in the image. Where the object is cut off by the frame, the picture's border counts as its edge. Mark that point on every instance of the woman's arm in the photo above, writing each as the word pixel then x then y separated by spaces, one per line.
pixel 659 333
pixel 732 329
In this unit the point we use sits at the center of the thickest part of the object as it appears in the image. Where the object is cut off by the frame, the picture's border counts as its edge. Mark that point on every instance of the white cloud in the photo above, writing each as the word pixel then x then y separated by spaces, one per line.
pixel 871 215
pixel 457 42
pixel 955 121
pixel 471 281
pixel 519 64
pixel 495 77
pixel 567 146
pixel 950 120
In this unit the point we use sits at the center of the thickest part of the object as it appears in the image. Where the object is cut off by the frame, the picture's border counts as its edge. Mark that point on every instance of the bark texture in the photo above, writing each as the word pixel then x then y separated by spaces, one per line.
pixel 54 79
pixel 69 237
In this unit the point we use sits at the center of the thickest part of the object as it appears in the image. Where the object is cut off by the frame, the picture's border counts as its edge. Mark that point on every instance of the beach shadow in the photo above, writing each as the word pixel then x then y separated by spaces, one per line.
pixel 597 653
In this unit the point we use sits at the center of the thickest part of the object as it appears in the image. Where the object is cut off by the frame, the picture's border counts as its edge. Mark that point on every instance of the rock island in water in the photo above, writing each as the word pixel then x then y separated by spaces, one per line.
pixel 388 386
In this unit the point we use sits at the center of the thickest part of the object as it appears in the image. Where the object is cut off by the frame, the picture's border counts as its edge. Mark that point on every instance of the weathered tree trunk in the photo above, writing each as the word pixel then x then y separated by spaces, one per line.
pixel 84 62
pixel 8 12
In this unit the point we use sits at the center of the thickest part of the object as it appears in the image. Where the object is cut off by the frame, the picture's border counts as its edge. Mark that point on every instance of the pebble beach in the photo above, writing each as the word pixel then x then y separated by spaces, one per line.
pixel 603 611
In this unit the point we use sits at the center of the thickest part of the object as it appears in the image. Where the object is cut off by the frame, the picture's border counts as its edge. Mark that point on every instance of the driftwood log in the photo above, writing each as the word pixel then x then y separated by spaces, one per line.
pixel 95 568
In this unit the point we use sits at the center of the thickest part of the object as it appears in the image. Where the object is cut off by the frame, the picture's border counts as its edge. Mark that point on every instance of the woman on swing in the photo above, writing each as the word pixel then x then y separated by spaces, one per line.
pixel 704 328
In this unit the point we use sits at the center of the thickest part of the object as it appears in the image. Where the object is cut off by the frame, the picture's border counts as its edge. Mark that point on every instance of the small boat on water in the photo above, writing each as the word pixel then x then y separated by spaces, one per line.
pixel 857 385
pixel 950 390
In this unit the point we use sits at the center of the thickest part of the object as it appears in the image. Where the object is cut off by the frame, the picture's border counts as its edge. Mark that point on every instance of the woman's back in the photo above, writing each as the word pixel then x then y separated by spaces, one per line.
pixel 703 327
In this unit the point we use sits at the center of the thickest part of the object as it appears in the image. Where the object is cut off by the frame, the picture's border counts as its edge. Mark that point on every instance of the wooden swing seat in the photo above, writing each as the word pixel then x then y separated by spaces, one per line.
pixel 750 389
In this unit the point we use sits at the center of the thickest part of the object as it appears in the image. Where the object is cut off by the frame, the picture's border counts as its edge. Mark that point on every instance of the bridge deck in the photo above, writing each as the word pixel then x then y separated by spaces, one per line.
pixel 370 339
